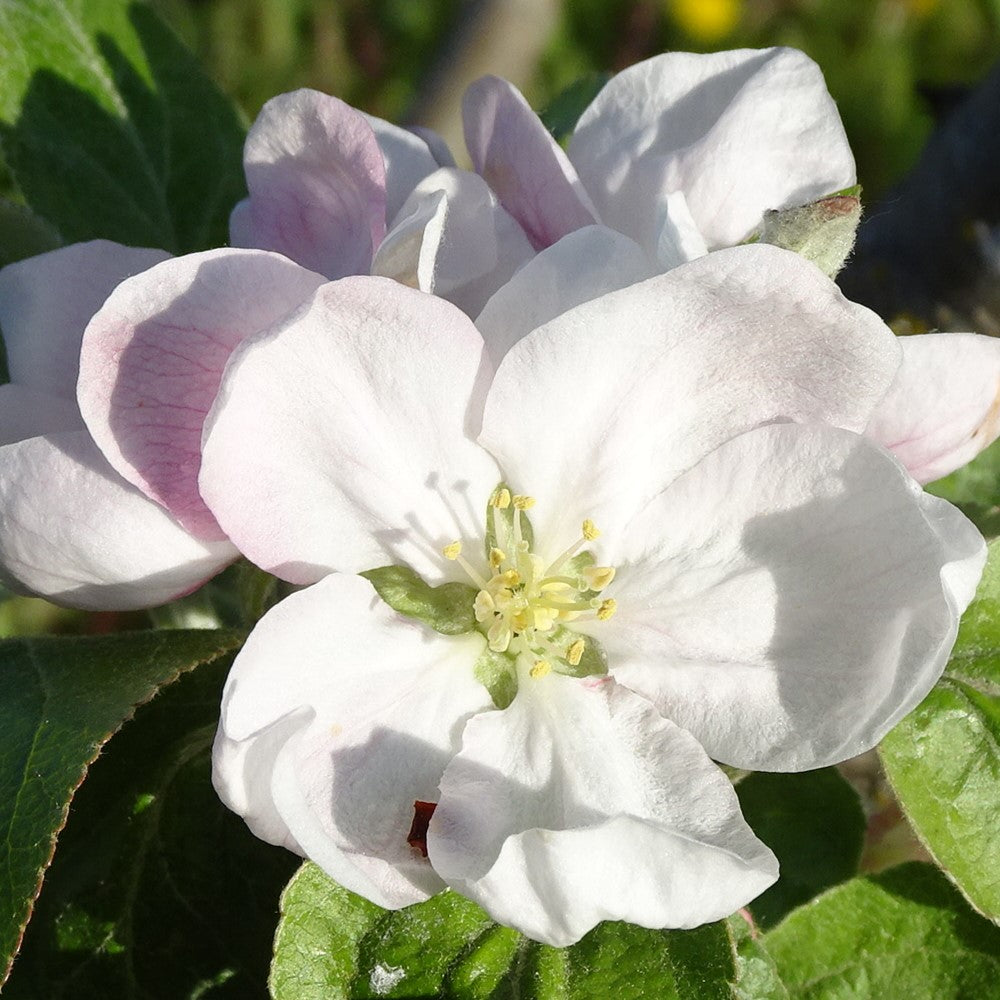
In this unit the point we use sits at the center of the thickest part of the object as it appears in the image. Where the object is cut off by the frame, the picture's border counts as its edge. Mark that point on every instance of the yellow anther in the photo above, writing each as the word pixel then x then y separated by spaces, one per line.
pixel 501 498
pixel 452 551
pixel 607 609
pixel 497 557
pixel 590 531
pixel 598 577
pixel 574 654
pixel 540 669
pixel 511 578
pixel 484 606
pixel 524 503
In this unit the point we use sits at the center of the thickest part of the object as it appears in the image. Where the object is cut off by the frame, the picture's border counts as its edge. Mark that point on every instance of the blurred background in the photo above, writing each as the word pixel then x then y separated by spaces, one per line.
pixel 892 65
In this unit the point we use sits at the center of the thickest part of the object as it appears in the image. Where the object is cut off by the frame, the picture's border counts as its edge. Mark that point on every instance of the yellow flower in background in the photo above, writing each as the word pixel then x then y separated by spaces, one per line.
pixel 706 20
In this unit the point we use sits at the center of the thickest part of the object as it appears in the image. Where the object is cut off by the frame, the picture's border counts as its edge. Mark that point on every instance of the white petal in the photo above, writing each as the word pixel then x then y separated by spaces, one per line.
pixel 436 144
pixel 72 530
pixel 453 239
pixel 588 263
pixel 338 440
pixel 790 598
pixel 317 185
pixel 679 239
pixel 943 408
pixel 408 160
pixel 47 301
pixel 338 715
pixel 153 356
pixel 525 166
pixel 738 132
pixel 594 413
pixel 578 804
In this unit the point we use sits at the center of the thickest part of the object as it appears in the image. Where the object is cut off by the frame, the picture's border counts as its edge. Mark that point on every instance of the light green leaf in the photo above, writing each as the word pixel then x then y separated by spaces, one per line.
pixel 822 232
pixel 815 825
pixel 943 760
pixel 111 128
pixel 157 891
pixel 447 608
pixel 757 975
pixel 497 672
pixel 975 490
pixel 903 935
pixel 60 700
pixel 333 945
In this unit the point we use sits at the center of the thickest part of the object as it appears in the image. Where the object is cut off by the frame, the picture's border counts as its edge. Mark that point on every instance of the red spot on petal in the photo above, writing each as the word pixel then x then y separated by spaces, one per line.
pixel 417 837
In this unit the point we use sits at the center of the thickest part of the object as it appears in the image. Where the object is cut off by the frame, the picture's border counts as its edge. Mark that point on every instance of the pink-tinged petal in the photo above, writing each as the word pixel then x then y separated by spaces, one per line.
pixel 317 185
pixel 339 441
pixel 943 408
pixel 513 151
pixel 26 413
pixel 73 531
pixel 338 715
pixel 454 240
pixel 408 160
pixel 47 301
pixel 585 265
pixel 638 385
pixel 580 803
pixel 790 598
pixel 737 132
pixel 153 357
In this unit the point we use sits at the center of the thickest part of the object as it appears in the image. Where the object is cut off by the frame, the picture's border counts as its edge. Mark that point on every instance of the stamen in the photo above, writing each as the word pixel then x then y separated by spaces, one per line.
pixel 497 557
pixel 452 551
pixel 598 577
pixel 522 502
pixel 540 669
pixel 607 609
pixel 501 498
pixel 589 530
pixel 575 651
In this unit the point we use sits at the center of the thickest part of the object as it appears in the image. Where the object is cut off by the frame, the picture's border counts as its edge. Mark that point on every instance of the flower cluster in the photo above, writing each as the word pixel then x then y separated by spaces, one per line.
pixel 586 486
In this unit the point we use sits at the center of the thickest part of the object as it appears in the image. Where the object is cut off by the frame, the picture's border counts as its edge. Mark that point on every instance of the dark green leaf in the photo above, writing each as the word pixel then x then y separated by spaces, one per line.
pixel 943 760
pixel 447 608
pixel 562 114
pixel 333 945
pixel 60 700
pixel 22 233
pixel 903 935
pixel 815 825
pixel 110 127
pixel 157 892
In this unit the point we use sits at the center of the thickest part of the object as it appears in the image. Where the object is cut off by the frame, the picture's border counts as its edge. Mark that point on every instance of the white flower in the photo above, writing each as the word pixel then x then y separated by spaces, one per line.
pixel 783 592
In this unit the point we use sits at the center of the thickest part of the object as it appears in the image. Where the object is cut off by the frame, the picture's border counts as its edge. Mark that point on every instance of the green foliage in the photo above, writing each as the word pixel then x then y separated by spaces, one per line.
pixel 157 892
pixel 975 489
pixel 564 110
pixel 60 701
pixel 815 825
pixel 903 935
pixel 22 233
pixel 111 129
pixel 943 760
pixel 757 974
pixel 446 608
pixel 497 672
pixel 332 944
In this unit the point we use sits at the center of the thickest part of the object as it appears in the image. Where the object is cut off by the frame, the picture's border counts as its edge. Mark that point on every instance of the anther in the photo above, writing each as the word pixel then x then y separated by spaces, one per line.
pixel 607 609
pixel 497 557
pixel 589 530
pixel 452 551
pixel 575 651
pixel 540 669
pixel 501 498
pixel 598 577
pixel 522 502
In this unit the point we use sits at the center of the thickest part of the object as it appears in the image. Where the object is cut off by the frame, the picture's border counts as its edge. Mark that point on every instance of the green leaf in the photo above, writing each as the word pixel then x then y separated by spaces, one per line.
pixel 157 891
pixel 60 700
pixel 822 231
pixel 110 127
pixel 903 935
pixel 757 975
pixel 815 825
pixel 333 945
pixel 23 234
pixel 975 490
pixel 447 608
pixel 943 760
pixel 563 112
pixel 497 672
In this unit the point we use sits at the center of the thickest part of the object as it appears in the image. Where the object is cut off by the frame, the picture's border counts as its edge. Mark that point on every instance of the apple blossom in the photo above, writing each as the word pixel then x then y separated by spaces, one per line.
pixel 682 153
pixel 98 475
pixel 713 564
pixel 342 193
